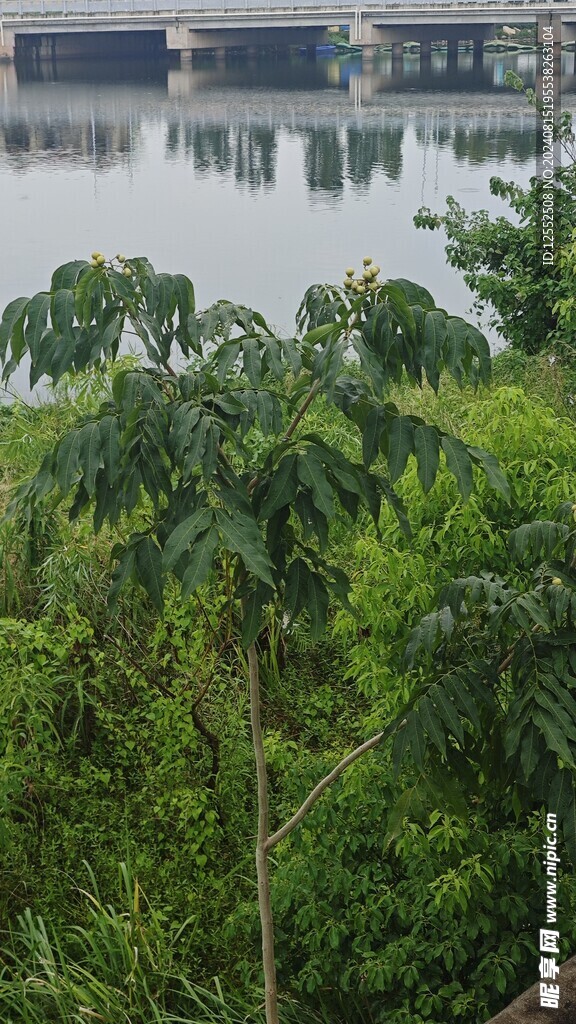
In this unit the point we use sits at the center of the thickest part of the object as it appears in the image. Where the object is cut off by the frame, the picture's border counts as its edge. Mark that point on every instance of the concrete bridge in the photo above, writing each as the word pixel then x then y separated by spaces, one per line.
pixel 75 28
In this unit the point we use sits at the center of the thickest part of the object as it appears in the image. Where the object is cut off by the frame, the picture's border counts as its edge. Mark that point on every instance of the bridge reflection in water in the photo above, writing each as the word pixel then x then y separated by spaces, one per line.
pixel 351 120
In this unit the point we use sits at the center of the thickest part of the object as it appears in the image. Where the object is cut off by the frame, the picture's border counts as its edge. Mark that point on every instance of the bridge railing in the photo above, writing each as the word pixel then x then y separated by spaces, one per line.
pixel 16 9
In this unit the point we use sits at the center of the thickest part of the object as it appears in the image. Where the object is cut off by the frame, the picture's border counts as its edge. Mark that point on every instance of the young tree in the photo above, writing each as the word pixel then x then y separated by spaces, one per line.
pixel 530 301
pixel 217 458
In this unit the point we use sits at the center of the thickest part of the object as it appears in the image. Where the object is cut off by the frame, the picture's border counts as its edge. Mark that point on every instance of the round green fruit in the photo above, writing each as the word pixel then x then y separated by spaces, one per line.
pixel 349 271
pixel 100 260
pixel 557 582
pixel 93 263
pixel 121 259
pixel 348 282
pixel 367 261
pixel 127 272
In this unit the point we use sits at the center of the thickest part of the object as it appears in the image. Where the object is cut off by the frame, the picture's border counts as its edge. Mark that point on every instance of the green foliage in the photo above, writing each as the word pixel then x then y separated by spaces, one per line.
pixel 529 299
pixel 184 441
pixel 231 486
pixel 440 925
pixel 122 967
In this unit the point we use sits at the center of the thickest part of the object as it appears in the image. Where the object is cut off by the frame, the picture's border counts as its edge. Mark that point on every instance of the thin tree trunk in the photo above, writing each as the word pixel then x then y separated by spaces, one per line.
pixel 264 902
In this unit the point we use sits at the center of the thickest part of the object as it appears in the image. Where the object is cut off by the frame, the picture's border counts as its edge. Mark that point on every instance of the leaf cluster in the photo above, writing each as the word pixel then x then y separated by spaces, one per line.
pixel 217 457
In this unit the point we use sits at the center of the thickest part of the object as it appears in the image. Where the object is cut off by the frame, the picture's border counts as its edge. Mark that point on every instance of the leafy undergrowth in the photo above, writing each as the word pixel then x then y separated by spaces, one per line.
pixel 103 761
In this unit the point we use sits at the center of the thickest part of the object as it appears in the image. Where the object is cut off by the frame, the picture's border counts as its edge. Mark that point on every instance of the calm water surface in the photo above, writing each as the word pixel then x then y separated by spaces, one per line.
pixel 255 179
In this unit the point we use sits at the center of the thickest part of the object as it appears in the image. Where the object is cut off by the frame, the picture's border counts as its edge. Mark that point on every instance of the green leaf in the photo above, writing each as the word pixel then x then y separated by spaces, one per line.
pixel 12 320
pixel 200 562
pixel 89 454
pixel 311 473
pixel 434 336
pixel 371 434
pixel 400 445
pixel 149 570
pixel 225 358
pixel 110 446
pixel 123 572
pixel 252 361
pixel 252 614
pixel 459 464
pixel 282 488
pixel 530 751
pixel 427 451
pixel 63 313
pixel 184 535
pixel 67 275
pixel 409 802
pixel 38 309
pixel 399 747
pixel 184 292
pixel 67 461
pixel 296 588
pixel 554 737
pixel 494 475
pixel 417 740
pixel 431 723
pixel 446 711
pixel 196 446
pixel 241 534
pixel 274 357
pixel 317 607
pixel 269 413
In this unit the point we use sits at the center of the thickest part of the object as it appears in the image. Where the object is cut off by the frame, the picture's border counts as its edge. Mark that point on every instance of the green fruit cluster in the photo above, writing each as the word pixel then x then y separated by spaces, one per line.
pixel 98 259
pixel 367 282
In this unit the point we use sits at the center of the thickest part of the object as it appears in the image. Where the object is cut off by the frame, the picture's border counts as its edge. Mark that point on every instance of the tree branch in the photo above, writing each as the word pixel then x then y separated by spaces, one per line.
pixel 319 789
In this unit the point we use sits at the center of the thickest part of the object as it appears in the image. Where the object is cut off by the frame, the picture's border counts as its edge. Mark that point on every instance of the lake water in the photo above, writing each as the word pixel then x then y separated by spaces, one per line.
pixel 255 178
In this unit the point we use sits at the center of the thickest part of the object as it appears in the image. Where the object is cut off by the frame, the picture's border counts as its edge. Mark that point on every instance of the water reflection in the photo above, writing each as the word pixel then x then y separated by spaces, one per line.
pixel 351 118
pixel 302 165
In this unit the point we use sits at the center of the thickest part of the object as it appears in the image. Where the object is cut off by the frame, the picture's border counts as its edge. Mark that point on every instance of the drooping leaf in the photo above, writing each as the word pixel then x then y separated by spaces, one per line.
pixel 431 723
pixel 67 461
pixel 38 309
pixel 241 534
pixel 375 424
pixel 200 561
pixel 283 486
pixel 89 458
pixel 317 606
pixel 149 570
pixel 185 534
pixel 12 328
pixel 312 474
pixel 427 451
pixel 400 445
pixel 459 464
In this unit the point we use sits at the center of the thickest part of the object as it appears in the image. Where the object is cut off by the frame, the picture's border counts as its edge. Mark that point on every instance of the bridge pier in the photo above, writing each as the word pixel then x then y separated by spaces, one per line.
pixel 425 51
pixel 478 55
pixel 7 44
pixel 452 54
pixel 397 52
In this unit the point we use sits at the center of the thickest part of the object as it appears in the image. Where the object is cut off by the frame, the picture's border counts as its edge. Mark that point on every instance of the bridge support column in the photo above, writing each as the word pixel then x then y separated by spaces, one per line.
pixel 550 33
pixel 397 52
pixel 425 51
pixel 185 56
pixel 7 44
pixel 452 55
pixel 367 53
pixel 478 58
pixel 220 54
